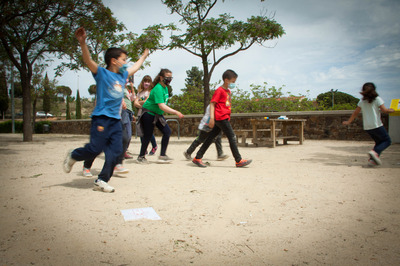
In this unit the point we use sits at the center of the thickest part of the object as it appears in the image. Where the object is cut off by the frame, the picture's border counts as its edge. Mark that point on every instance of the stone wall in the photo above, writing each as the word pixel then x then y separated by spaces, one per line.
pixel 319 125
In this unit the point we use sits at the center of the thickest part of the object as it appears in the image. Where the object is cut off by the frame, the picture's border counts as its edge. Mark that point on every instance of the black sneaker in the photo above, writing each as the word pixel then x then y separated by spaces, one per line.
pixel 187 155
pixel 141 160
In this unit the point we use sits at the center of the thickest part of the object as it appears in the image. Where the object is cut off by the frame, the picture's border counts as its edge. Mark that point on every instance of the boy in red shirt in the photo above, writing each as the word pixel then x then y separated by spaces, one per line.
pixel 220 114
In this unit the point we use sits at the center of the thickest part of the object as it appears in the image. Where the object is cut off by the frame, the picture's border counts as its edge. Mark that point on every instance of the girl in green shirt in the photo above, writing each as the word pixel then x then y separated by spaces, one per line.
pixel 152 114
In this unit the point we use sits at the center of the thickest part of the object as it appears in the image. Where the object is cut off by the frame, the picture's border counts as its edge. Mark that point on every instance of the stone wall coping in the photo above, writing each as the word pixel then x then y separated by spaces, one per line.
pixel 259 114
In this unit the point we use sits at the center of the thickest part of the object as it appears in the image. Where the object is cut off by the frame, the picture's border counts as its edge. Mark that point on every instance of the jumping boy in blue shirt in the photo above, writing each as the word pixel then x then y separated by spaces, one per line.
pixel 106 130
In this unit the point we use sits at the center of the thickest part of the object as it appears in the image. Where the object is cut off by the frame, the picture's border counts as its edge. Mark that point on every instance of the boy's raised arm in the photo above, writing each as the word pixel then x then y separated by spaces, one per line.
pixel 80 34
pixel 133 69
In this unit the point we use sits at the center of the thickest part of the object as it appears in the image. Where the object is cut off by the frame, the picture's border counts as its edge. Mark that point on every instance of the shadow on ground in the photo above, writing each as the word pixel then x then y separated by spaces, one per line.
pixel 357 156
pixel 80 183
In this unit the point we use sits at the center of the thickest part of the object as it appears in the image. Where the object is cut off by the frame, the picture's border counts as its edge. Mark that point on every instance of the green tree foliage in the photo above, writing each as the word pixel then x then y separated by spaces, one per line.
pixel 78 110
pixel 194 80
pixel 30 30
pixel 63 91
pixel 205 36
pixel 188 103
pixel 68 112
pixel 4 99
pixel 17 89
pixel 47 94
pixel 191 101
pixel 336 100
pixel 263 98
pixel 92 91
pixel 36 87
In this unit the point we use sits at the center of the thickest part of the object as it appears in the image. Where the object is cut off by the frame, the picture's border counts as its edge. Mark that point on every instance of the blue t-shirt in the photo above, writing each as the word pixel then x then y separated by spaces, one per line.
pixel 109 92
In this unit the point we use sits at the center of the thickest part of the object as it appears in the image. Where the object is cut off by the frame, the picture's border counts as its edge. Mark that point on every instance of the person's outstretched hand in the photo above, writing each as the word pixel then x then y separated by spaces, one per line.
pixel 80 34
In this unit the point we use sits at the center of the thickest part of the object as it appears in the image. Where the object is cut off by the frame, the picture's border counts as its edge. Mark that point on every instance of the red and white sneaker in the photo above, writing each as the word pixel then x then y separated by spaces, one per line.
pixel 375 157
pixel 372 163
pixel 127 156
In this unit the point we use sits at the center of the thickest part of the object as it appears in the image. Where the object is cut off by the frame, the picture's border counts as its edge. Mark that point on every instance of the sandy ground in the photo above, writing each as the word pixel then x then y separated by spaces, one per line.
pixel 308 204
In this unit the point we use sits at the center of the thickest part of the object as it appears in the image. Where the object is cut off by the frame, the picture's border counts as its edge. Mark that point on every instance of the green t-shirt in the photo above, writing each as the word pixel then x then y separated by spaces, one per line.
pixel 158 94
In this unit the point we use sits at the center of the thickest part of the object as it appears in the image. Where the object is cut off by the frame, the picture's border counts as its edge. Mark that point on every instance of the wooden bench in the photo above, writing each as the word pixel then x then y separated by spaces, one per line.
pixel 243 134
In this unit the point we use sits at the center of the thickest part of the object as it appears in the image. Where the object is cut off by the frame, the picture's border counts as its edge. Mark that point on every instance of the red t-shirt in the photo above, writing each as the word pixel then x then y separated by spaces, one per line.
pixel 222 100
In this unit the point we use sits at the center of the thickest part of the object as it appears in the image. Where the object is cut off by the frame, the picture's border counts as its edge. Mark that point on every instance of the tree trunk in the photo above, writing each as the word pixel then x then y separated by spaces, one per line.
pixel 206 83
pixel 34 113
pixel 26 107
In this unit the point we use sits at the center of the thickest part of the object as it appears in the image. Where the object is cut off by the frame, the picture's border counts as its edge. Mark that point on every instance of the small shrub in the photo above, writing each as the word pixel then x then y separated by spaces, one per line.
pixel 6 127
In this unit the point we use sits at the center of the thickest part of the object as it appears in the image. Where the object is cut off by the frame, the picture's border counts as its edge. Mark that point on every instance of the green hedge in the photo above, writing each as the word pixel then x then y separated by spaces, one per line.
pixel 5 127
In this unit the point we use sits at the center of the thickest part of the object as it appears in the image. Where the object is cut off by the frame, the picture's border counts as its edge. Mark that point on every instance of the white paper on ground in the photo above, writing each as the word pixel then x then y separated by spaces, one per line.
pixel 140 213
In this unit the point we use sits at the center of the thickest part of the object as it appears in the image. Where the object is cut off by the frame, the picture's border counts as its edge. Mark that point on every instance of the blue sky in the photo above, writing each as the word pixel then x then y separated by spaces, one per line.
pixel 328 45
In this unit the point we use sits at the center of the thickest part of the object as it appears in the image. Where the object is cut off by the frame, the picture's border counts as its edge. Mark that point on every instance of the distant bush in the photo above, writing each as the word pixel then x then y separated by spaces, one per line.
pixel 6 127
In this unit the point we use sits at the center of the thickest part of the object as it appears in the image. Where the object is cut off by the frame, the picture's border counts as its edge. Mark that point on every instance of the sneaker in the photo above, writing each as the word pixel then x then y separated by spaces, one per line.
pixel 187 155
pixel 86 172
pixel 164 159
pixel 101 185
pixel 372 163
pixel 243 163
pixel 119 169
pixel 375 157
pixel 127 156
pixel 141 159
pixel 222 157
pixel 68 162
pixel 198 162
pixel 153 151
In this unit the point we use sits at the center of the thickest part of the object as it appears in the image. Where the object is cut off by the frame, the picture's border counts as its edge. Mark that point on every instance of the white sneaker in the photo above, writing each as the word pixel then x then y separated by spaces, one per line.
pixel 101 185
pixel 164 159
pixel 68 162
pixel 86 172
pixel 119 169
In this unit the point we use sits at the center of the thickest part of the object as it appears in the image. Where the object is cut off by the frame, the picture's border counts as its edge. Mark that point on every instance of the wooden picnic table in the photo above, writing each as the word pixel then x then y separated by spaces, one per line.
pixel 273 127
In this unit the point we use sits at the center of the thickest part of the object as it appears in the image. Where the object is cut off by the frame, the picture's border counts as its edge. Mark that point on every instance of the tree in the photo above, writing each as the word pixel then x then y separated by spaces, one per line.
pixel 68 112
pixel 4 99
pixel 17 89
pixel 92 91
pixel 64 91
pixel 47 92
pixel 36 88
pixel 194 80
pixel 78 110
pixel 191 100
pixel 30 30
pixel 204 35
pixel 337 100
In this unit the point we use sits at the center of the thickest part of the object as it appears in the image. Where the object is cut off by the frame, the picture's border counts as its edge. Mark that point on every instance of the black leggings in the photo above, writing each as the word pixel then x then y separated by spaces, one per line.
pixel 148 129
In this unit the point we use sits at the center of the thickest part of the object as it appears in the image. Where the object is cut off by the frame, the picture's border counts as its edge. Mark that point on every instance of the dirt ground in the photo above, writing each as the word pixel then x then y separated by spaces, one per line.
pixel 310 204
